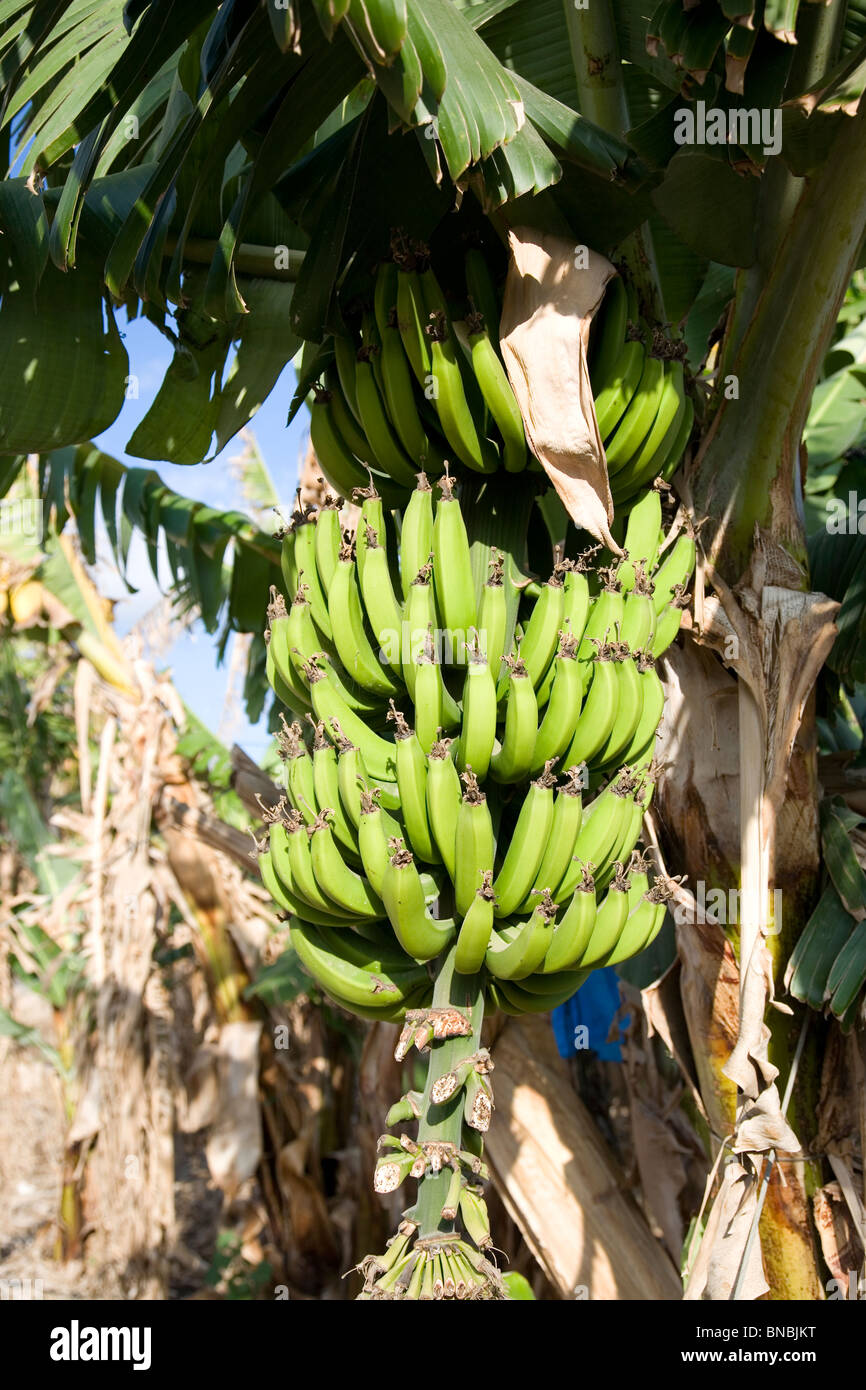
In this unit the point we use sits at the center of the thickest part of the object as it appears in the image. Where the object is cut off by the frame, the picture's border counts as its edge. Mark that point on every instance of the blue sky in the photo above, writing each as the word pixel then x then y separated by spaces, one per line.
pixel 192 659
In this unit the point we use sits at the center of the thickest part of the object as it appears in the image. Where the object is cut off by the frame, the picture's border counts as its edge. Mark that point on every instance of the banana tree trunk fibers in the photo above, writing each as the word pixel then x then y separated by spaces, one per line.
pixel 745 484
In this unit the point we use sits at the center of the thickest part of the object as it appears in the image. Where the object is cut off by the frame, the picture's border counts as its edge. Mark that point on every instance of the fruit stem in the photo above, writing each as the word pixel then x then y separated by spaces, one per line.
pixel 445 1122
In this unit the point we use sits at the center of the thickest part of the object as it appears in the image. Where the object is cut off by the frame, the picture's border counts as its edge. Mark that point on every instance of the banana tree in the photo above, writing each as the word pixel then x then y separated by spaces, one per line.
pixel 233 172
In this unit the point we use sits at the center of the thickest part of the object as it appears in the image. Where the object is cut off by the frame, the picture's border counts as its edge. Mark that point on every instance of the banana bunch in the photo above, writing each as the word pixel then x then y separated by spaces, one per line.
pixel 644 416
pixel 412 383
pixel 436 796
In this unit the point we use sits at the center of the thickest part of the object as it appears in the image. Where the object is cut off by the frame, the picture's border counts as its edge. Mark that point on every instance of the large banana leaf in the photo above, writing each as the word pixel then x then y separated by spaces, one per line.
pixel 828 964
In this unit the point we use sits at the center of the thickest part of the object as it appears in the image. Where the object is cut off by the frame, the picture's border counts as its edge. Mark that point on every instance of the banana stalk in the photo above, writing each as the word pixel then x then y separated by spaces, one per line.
pixel 430 1257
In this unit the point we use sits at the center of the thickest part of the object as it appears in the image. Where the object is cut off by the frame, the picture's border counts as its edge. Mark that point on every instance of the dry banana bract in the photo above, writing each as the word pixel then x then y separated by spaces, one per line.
pixel 551 294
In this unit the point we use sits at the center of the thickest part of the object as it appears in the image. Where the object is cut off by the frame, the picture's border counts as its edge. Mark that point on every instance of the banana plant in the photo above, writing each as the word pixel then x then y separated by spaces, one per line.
pixel 190 161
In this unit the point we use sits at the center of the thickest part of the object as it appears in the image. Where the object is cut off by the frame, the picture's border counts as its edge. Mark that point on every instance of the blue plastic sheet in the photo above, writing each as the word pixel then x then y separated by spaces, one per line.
pixel 583 1022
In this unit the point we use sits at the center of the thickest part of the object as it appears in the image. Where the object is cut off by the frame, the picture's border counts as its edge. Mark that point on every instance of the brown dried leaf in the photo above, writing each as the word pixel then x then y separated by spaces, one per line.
pixel 718 1262
pixel 840 1243
pixel 548 307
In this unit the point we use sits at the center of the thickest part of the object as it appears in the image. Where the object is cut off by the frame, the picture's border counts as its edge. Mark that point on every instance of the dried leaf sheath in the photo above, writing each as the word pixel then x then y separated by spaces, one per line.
pixel 550 299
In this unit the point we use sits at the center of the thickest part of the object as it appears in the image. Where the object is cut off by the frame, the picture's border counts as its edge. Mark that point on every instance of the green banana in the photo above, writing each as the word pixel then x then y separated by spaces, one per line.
pixel 629 832
pixel 411 321
pixel 452 569
pixel 375 832
pixel 347 426
pixel 350 983
pixel 411 761
pixel 418 933
pixel 544 986
pixel 400 398
pixel 598 715
pixel 512 760
pixel 350 891
pixel 640 913
pixel 288 567
pixel 648 462
pixel 563 709
pixel 516 999
pixel 637 422
pixel 326 784
pixel 639 615
pixel 416 533
pixel 541 632
pixel 658 897
pixel 679 443
pixel 371 351
pixel 609 334
pixel 420 619
pixel 303 647
pixel 384 613
pixel 641 542
pixel 615 395
pixel 372 518
pixel 560 845
pixel 384 443
pixel 573 931
pixel 474 1217
pixel 481 291
pixel 517 951
pixel 668 624
pixel 609 921
pixel 300 784
pixel 475 845
pixel 602 828
pixel 629 707
pixel 605 619
pixel 374 951
pixel 493 615
pixel 444 794
pixel 652 709
pixel 289 901
pixel 352 779
pixel 292 861
pixel 375 829
pixel 279 667
pixel 478 732
pixel 346 614
pixel 575 599
pixel 333 455
pixel 526 846
pixel 428 698
pixel 328 540
pixel 329 704
pixel 345 355
pixel 308 575
pixel 475 929
pixel 449 398
pixel 497 393
pixel 675 571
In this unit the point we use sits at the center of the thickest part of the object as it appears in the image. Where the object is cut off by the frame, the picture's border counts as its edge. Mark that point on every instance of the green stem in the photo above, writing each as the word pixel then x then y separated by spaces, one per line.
pixel 746 470
pixel 445 1122
pixel 249 258
pixel 819 31
pixel 597 67
pixel 601 97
